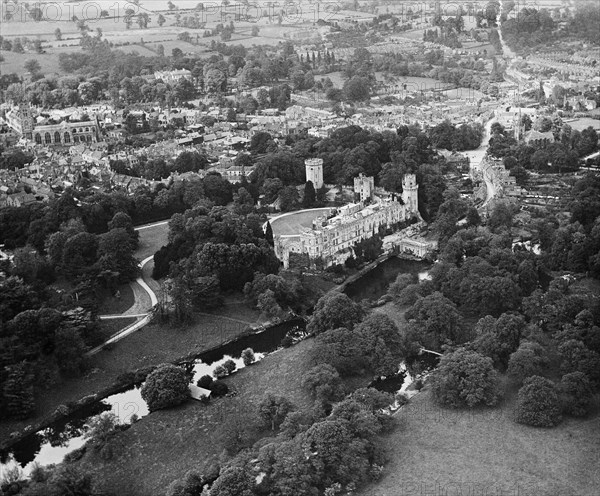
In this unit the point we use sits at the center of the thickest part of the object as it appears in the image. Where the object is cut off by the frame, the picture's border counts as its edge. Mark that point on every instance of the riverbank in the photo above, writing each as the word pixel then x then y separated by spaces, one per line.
pixel 164 445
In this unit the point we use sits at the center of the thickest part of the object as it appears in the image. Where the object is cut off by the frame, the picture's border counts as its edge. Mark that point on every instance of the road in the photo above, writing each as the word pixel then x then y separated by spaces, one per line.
pixel 144 288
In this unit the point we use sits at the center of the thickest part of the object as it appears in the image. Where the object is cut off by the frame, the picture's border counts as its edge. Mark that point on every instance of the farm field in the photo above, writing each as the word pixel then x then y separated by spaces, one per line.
pixel 13 62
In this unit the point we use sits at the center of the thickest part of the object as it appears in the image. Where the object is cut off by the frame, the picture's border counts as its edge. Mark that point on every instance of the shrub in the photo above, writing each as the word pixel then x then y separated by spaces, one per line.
pixel 219 388
pixel 230 366
pixel 248 356
pixel 205 381
pixel 167 386
pixel 465 378
pixel 576 394
pixel 287 341
pixel 538 403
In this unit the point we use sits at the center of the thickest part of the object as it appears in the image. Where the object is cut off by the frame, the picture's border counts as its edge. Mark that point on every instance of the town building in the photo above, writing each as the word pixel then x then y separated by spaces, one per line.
pixel 47 132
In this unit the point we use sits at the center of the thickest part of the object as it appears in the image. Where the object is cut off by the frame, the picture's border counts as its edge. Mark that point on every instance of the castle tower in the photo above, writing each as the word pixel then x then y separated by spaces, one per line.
pixel 364 187
pixel 410 192
pixel 314 171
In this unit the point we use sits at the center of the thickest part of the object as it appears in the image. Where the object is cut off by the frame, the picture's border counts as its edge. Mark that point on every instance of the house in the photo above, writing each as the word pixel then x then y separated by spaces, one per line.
pixel 20 199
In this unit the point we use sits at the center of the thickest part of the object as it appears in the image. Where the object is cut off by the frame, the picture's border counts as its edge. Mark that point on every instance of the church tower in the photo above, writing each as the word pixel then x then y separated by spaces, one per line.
pixel 410 193
pixel 314 172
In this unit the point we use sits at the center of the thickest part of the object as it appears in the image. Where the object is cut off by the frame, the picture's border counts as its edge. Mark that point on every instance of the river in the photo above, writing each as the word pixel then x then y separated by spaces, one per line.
pixel 375 283
pixel 51 444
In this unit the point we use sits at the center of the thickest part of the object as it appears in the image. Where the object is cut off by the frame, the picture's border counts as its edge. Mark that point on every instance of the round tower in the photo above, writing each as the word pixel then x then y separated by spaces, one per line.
pixel 314 171
pixel 410 193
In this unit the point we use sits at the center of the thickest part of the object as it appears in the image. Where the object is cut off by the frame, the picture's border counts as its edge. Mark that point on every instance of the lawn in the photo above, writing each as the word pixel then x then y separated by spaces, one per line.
pixel 112 305
pixel 112 326
pixel 164 445
pixel 291 224
pixel 152 238
pixel 449 452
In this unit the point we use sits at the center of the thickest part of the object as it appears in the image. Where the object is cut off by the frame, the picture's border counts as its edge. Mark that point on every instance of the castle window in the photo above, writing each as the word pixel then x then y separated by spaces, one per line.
pixel 67 138
pixel 38 138
pixel 47 138
pixel 56 137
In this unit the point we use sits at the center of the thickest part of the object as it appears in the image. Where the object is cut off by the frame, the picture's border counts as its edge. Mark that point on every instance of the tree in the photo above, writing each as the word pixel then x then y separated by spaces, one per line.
pixel 58 34
pixel 115 254
pixel 437 320
pixel 165 387
pixel 273 410
pixel 233 481
pixel 357 89
pixel 17 391
pixel 79 254
pixel 248 356
pixel 465 378
pixel 161 20
pixel 69 350
pixel 538 403
pixel 528 360
pixel 334 310
pixel 576 357
pixel 310 195
pixel 288 198
pixel 243 203
pixel 255 30
pixel 324 384
pixel 576 394
pixel 498 338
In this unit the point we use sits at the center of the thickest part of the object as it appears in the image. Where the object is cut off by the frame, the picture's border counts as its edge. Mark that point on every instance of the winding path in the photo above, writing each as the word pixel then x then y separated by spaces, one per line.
pixel 145 299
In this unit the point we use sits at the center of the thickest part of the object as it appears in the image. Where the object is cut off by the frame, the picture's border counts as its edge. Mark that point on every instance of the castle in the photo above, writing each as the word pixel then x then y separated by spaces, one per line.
pixel 332 237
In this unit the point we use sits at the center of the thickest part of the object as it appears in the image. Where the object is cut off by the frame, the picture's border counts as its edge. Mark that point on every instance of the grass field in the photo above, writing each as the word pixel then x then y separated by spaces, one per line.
pixel 291 224
pixel 449 452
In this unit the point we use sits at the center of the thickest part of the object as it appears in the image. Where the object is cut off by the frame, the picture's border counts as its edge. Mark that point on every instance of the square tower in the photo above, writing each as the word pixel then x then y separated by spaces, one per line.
pixel 364 187
pixel 314 171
